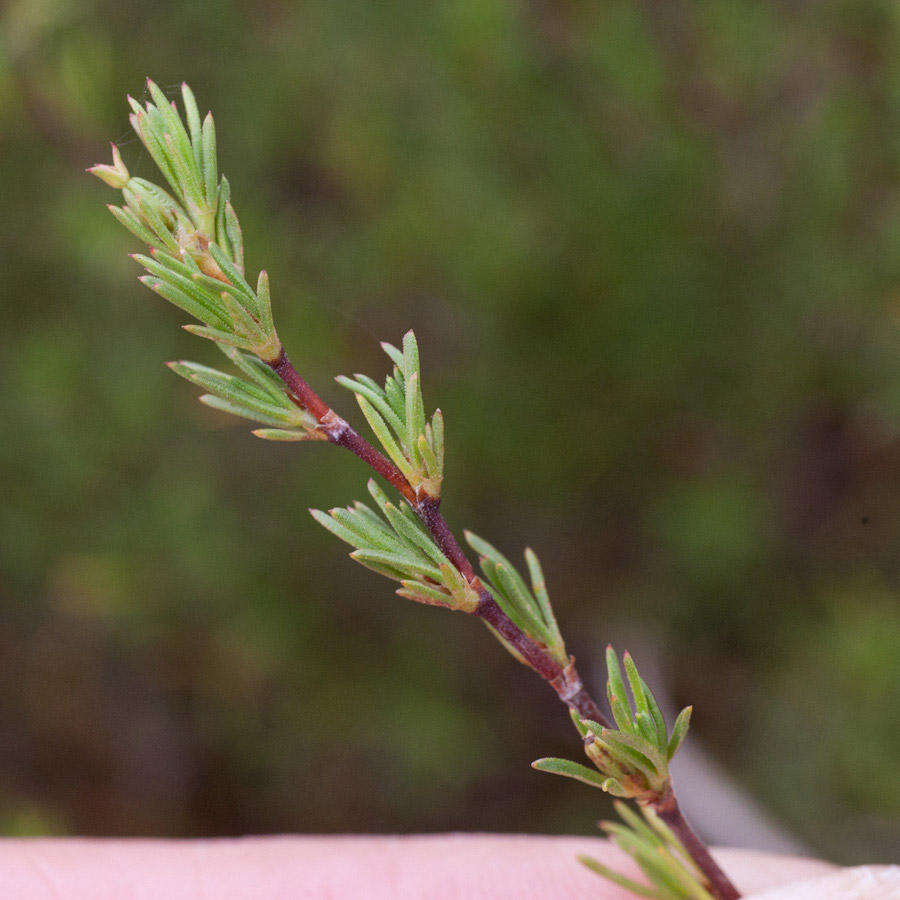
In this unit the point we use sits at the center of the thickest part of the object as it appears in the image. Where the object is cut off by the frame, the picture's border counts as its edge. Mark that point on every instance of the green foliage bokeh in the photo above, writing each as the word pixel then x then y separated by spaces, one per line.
pixel 652 257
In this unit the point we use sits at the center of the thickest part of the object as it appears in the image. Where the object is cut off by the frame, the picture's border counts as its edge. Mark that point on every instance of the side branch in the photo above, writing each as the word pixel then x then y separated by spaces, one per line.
pixel 335 428
pixel 563 679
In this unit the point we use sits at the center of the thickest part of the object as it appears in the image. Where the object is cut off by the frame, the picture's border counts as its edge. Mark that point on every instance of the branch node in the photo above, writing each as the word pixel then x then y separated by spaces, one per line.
pixel 568 683
pixel 333 425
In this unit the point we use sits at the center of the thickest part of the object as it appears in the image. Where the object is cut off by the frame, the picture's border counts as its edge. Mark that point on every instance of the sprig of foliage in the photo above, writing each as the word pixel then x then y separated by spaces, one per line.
pixel 528 607
pixel 196 262
pixel 660 855
pixel 633 759
pixel 396 546
pixel 396 414
pixel 261 398
pixel 196 259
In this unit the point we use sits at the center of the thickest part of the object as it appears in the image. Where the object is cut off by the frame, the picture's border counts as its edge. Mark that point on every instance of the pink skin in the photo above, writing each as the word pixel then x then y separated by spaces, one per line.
pixel 461 867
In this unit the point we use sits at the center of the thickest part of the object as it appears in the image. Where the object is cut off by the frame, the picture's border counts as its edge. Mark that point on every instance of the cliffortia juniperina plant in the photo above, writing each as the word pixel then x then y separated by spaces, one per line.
pixel 196 262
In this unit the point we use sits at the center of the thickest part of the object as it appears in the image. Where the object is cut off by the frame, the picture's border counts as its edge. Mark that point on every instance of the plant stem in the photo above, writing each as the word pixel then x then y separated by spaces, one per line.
pixel 669 811
pixel 565 680
pixel 337 430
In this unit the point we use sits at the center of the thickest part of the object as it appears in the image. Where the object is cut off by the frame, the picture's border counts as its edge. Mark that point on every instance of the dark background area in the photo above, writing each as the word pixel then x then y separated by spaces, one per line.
pixel 651 252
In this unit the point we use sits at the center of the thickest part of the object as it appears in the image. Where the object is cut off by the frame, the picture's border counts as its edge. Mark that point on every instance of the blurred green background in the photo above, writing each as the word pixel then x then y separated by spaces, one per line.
pixel 652 255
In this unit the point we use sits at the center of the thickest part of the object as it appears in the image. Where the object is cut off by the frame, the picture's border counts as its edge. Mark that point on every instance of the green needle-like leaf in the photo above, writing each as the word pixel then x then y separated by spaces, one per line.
pixel 192 114
pixel 656 714
pixel 376 397
pixel 369 535
pixel 641 753
pixel 220 337
pixel 412 531
pixel 380 568
pixel 264 301
pixel 646 726
pixel 569 769
pixel 127 218
pixel 395 396
pixel 621 711
pixel 395 354
pixel 377 424
pixel 408 564
pixel 423 593
pixel 532 615
pixel 282 434
pixel 638 825
pixel 183 301
pixel 235 237
pixel 637 685
pixel 679 731
pixel 583 729
pixel 237 409
pixel 640 889
pixel 396 413
pixel 223 196
pixel 426 454
pixel 506 584
pixel 410 365
pixel 336 528
pixel 614 674
pixel 437 424
pixel 539 588
pixel 208 155
pixel 235 277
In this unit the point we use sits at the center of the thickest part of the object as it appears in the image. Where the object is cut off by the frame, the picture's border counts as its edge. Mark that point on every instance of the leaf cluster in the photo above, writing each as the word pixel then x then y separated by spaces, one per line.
pixel 632 760
pixel 259 397
pixel 232 313
pixel 660 855
pixel 396 414
pixel 528 607
pixel 395 545
pixel 187 159
pixel 196 259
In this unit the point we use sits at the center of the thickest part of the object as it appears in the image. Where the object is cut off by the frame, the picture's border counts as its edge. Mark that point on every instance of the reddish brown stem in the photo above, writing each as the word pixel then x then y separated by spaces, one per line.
pixel 298 388
pixel 564 680
pixel 669 811
pixel 335 428
pixel 428 510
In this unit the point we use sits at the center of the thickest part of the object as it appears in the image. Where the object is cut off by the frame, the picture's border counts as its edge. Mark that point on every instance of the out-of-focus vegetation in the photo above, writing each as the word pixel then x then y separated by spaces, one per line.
pixel 652 256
